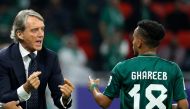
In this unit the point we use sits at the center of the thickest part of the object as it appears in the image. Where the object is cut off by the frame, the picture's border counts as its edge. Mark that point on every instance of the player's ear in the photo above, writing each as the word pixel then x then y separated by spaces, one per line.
pixel 139 42
pixel 19 34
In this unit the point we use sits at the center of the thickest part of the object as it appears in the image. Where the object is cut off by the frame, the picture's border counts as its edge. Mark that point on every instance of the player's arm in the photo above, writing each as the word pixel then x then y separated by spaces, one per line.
pixel 182 104
pixel 179 93
pixel 102 100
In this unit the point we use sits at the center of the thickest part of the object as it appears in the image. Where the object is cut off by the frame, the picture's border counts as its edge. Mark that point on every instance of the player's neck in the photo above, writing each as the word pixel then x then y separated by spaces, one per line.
pixel 148 51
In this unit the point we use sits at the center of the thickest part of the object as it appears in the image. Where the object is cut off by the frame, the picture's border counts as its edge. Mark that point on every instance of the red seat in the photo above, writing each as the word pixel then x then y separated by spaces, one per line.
pixel 184 38
pixel 89 50
pixel 169 8
pixel 162 9
pixel 185 8
pixel 126 9
pixel 158 9
pixel 84 41
pixel 83 36
pixel 167 39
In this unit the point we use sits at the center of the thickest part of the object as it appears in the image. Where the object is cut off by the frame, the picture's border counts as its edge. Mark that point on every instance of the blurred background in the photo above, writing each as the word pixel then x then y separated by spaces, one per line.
pixel 91 36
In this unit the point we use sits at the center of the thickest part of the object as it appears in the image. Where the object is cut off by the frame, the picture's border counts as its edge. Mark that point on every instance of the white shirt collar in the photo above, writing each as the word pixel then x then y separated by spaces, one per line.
pixel 24 52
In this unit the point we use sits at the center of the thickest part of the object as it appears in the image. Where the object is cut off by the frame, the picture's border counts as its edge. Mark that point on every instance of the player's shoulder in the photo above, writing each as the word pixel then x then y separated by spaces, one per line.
pixel 124 63
pixel 129 61
pixel 162 61
pixel 167 62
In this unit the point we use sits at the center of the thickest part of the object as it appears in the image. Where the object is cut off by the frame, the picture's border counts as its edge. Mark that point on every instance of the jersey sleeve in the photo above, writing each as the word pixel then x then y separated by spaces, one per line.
pixel 179 86
pixel 113 87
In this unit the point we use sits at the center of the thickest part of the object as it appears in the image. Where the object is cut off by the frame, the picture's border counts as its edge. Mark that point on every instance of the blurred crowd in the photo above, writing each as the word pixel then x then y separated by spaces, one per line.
pixel 93 35
pixel 96 34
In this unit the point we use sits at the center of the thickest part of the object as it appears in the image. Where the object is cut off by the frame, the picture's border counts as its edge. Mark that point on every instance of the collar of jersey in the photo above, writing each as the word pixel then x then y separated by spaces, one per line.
pixel 147 55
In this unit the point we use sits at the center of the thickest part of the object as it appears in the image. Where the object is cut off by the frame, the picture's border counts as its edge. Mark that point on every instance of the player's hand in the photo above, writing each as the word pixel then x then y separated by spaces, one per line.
pixel 32 82
pixel 66 89
pixel 12 105
pixel 93 83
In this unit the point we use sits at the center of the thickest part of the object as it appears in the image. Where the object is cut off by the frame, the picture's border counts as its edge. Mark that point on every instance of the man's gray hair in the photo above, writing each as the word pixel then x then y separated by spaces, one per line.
pixel 20 22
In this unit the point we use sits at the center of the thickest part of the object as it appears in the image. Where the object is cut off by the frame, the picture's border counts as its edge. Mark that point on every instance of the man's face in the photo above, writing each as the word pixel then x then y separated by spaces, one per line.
pixel 33 35
pixel 135 42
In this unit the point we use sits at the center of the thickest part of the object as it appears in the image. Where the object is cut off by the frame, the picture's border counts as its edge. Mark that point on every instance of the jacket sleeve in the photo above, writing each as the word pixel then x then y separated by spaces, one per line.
pixel 56 78
pixel 7 93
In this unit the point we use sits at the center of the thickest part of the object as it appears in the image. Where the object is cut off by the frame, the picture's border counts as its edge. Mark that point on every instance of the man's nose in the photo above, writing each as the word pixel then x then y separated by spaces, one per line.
pixel 40 33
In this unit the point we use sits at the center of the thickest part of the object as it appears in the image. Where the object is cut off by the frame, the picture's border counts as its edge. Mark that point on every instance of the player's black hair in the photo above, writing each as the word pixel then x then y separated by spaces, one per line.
pixel 151 31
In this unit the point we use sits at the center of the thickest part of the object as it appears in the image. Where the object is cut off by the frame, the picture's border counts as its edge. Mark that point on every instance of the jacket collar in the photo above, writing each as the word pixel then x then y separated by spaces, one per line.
pixel 17 63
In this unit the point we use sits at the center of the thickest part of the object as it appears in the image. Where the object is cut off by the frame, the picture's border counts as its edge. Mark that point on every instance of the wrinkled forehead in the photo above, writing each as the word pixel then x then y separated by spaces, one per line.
pixel 34 21
pixel 34 18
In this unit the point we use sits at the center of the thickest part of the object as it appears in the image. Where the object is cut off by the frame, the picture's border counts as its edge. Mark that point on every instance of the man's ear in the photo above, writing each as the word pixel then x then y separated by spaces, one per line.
pixel 19 34
pixel 139 42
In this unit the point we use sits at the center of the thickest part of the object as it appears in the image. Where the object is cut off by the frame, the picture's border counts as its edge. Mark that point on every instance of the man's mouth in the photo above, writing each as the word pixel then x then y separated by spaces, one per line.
pixel 39 42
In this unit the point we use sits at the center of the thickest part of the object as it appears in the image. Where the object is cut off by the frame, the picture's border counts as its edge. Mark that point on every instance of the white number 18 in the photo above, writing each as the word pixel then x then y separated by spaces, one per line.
pixel 148 93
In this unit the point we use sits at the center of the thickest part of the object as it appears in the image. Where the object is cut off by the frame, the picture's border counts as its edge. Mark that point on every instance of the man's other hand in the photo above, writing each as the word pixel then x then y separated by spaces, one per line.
pixel 66 89
pixel 12 105
pixel 32 82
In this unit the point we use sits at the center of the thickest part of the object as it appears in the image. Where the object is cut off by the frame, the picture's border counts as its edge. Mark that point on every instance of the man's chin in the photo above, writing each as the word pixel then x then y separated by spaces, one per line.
pixel 38 48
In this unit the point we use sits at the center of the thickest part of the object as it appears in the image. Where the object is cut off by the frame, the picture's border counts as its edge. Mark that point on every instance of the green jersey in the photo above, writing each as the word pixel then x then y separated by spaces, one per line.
pixel 146 82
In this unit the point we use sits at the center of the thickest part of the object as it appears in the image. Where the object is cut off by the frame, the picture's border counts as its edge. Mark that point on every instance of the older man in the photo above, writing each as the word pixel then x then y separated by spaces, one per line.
pixel 27 67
